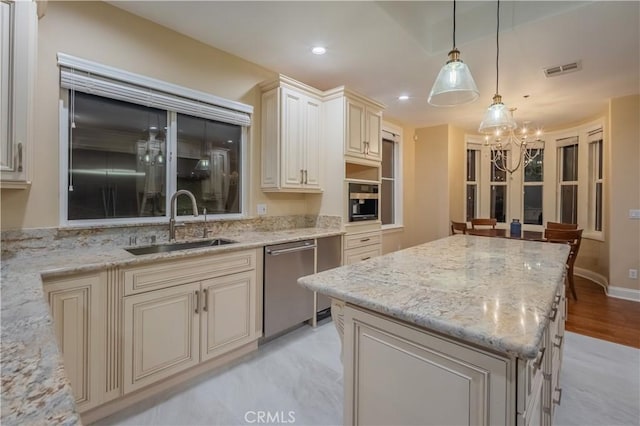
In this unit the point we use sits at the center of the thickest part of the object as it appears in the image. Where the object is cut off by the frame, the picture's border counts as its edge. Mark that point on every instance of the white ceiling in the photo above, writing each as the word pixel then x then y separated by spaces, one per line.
pixel 385 49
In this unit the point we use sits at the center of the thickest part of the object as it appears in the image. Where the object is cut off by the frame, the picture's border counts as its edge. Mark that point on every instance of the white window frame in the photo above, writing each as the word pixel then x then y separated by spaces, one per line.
pixel 596 138
pixel 471 146
pixel 171 144
pixel 535 145
pixel 560 145
pixel 394 133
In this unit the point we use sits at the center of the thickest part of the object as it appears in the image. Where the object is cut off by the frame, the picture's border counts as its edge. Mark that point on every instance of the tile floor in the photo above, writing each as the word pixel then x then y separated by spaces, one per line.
pixel 298 379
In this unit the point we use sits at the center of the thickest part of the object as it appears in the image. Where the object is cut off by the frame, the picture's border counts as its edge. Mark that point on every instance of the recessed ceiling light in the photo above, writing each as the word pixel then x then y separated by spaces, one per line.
pixel 318 50
pixel 403 97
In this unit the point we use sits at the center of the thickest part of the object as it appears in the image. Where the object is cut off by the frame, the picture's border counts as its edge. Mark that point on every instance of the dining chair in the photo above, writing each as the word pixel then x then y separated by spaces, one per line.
pixel 558 225
pixel 484 222
pixel 573 237
pixel 458 227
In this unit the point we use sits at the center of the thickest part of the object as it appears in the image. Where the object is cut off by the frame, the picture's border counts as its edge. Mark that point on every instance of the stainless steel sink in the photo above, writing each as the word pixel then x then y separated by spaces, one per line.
pixel 163 248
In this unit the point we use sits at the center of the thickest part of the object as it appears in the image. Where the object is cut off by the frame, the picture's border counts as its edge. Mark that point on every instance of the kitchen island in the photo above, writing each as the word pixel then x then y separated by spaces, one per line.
pixel 462 330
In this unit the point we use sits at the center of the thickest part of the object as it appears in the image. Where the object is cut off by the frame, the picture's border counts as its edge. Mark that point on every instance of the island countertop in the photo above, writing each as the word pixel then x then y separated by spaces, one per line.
pixel 493 292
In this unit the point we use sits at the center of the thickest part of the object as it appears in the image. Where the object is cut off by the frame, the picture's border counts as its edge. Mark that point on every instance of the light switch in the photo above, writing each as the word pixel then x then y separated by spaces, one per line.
pixel 634 214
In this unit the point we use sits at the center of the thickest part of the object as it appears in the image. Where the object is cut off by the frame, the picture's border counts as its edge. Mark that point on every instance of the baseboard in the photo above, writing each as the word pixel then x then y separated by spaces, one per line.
pixel 601 280
pixel 624 293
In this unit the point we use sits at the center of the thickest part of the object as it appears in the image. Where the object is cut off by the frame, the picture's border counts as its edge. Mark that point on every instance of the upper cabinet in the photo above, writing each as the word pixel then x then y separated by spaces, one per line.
pixel 18 38
pixel 355 122
pixel 291 129
pixel 364 130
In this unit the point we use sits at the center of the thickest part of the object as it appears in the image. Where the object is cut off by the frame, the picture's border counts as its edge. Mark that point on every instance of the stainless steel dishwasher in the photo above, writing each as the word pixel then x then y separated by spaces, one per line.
pixel 286 303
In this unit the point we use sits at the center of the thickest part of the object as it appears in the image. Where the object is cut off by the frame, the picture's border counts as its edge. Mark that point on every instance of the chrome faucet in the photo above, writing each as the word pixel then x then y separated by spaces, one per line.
pixel 172 220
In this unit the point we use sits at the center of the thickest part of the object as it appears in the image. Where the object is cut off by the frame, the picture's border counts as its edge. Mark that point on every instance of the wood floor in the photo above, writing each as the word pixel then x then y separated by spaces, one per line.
pixel 596 315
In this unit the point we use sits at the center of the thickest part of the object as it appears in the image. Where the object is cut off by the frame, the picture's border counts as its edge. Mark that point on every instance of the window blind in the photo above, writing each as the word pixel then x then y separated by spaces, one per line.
pixel 96 79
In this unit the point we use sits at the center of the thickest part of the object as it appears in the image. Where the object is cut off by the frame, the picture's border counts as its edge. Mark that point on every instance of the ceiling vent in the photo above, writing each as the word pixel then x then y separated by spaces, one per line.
pixel 563 69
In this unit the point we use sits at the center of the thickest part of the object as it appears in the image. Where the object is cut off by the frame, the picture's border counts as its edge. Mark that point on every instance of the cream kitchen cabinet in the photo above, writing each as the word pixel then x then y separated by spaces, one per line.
pixel 192 311
pixel 364 130
pixel 361 246
pixel 85 310
pixel 291 129
pixel 465 385
pixel 18 40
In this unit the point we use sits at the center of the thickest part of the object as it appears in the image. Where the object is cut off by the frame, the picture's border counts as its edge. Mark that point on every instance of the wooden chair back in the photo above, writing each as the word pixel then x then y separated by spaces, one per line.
pixel 484 222
pixel 458 227
pixel 573 237
pixel 558 225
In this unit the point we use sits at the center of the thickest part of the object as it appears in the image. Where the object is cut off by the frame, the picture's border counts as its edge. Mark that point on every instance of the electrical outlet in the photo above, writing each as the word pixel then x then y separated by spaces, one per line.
pixel 262 209
pixel 633 274
pixel 634 214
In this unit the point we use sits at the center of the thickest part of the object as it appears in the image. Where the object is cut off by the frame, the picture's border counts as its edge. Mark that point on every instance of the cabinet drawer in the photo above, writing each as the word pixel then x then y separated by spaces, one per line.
pixel 159 275
pixel 362 253
pixel 352 241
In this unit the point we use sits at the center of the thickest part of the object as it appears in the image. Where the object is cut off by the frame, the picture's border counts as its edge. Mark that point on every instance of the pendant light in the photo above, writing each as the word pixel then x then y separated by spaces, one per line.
pixel 454 84
pixel 498 118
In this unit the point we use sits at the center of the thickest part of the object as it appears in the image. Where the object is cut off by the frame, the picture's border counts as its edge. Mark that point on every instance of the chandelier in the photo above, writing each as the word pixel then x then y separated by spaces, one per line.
pixel 501 130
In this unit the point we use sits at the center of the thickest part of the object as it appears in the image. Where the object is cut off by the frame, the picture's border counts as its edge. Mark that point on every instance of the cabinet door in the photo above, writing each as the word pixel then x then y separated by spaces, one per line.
pixel 374 134
pixel 18 45
pixel 292 168
pixel 355 129
pixel 79 324
pixel 228 313
pixel 390 368
pixel 312 143
pixel 161 332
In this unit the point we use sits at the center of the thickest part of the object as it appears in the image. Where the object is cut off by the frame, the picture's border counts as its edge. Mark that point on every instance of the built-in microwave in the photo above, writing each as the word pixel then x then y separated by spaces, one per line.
pixel 363 201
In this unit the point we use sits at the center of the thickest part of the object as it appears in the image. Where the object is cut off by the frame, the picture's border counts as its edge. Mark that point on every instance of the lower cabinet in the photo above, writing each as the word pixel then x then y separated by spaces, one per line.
pixel 172 329
pixel 121 330
pixel 433 380
pixel 362 246
pixel 79 310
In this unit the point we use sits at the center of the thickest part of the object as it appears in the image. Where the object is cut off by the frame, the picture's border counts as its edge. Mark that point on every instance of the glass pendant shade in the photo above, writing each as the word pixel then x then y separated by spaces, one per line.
pixel 454 84
pixel 498 119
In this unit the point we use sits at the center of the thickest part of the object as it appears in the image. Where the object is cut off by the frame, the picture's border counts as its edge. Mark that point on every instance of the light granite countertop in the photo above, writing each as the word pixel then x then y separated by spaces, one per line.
pixel 492 292
pixel 35 389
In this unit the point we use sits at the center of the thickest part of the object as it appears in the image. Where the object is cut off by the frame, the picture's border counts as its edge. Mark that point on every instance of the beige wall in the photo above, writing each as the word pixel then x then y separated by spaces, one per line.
pixel 624 190
pixel 108 35
pixel 431 213
pixel 457 164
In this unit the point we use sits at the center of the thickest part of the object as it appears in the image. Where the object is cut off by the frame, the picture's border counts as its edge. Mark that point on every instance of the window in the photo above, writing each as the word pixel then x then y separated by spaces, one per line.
pixel 5 78
pixel 473 157
pixel 131 142
pixel 391 197
pixel 595 181
pixel 498 201
pixel 209 161
pixel 533 188
pixel 116 164
pixel 568 183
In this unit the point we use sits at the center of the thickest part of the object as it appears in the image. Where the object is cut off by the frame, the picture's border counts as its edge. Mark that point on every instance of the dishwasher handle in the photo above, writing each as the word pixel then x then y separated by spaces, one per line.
pixel 289 250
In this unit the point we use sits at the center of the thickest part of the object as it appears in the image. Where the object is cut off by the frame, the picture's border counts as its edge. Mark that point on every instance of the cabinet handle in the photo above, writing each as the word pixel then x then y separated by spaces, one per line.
pixel 538 363
pixel 365 258
pixel 19 156
pixel 197 300
pixel 366 147
pixel 557 401
pixel 306 176
pixel 364 240
pixel 206 302
pixel 554 313
pixel 559 344
pixel 301 176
